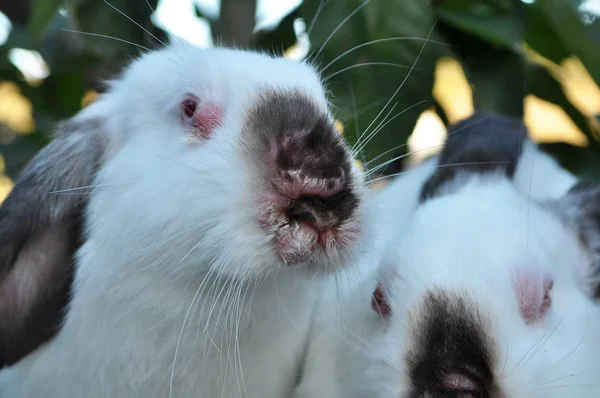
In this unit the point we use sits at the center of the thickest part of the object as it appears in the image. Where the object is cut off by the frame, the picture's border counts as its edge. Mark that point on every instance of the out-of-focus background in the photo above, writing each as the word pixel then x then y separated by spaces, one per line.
pixel 535 59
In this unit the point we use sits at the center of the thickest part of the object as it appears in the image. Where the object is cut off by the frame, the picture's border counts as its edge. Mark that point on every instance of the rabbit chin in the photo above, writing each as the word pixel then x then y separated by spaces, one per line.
pixel 299 243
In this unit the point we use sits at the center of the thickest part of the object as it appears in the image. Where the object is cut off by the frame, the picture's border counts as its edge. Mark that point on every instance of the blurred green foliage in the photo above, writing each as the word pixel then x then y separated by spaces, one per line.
pixel 378 58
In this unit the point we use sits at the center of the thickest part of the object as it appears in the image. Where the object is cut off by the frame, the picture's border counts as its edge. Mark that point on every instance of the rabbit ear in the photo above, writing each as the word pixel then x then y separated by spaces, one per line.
pixel 580 208
pixel 40 230
pixel 479 144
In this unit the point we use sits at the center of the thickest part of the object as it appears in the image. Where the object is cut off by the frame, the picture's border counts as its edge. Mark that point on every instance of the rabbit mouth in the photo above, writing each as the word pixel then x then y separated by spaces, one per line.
pixel 308 224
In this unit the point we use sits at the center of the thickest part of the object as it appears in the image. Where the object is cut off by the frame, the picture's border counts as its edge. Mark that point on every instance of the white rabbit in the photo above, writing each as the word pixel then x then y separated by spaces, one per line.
pixel 486 287
pixel 173 240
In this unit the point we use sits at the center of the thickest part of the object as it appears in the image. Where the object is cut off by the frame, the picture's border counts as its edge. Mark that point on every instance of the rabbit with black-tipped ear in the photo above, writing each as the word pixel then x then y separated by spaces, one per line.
pixel 488 285
pixel 173 239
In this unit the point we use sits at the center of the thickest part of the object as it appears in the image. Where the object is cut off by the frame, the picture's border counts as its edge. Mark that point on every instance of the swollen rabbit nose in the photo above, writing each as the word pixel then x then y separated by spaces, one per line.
pixel 310 164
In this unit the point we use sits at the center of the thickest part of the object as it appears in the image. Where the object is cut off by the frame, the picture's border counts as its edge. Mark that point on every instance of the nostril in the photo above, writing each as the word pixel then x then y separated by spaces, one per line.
pixel 311 209
pixel 323 213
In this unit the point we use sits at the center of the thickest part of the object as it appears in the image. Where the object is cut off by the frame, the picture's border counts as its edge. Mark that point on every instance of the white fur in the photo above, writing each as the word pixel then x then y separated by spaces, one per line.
pixel 174 247
pixel 346 325
pixel 539 176
pixel 468 242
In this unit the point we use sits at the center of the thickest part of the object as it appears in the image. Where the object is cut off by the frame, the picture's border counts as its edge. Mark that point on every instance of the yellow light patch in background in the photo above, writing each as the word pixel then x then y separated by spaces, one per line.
pixel 452 89
pixel 16 111
pixel 6 183
pixel 293 52
pixel 580 88
pixel 548 122
pixel 89 97
pixel 339 126
pixel 427 138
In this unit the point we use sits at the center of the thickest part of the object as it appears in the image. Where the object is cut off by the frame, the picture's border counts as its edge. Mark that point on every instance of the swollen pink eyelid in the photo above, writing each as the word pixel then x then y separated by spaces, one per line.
pixel 533 289
pixel 203 117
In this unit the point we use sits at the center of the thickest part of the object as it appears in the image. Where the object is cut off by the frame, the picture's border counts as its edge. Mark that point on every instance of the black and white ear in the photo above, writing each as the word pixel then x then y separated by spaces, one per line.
pixel 580 209
pixel 40 230
pixel 481 143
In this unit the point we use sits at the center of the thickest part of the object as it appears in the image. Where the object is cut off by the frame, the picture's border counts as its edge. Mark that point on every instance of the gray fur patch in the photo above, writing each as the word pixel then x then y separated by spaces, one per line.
pixel 40 230
pixel 480 144
pixel 281 113
pixel 580 208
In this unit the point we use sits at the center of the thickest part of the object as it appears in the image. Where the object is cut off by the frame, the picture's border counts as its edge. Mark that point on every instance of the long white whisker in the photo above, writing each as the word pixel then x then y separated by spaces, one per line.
pixel 107 37
pixel 364 64
pixel 356 124
pixel 379 128
pixel 395 159
pixel 365 165
pixel 469 125
pixel 398 38
pixel 310 28
pixel 359 144
pixel 181 334
pixel 406 77
pixel 360 7
pixel 132 20
pixel 78 188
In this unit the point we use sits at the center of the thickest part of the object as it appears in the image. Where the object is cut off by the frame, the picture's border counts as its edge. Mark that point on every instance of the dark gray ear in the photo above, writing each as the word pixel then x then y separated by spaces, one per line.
pixel 40 230
pixel 482 143
pixel 580 208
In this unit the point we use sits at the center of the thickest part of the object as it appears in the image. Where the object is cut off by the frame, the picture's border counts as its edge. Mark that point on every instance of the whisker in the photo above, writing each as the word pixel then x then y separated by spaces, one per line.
pixel 360 7
pixel 364 109
pixel 560 378
pixel 122 41
pixel 361 144
pixel 107 37
pixel 382 124
pixel 356 124
pixel 469 125
pixel 566 357
pixel 386 152
pixel 365 64
pixel 398 38
pixel 471 163
pixel 310 28
pixel 179 163
pixel 406 77
pixel 181 333
pixel 78 188
pixel 132 20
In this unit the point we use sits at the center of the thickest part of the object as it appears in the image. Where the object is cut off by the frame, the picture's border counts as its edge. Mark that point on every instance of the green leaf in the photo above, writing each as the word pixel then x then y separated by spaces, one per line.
pixel 363 81
pixel 496 72
pixel 563 18
pixel 542 37
pixel 41 14
pixel 123 23
pixel 543 85
pixel 496 22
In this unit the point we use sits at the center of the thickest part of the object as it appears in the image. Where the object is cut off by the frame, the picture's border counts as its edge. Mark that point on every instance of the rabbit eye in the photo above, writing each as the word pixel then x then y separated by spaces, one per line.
pixel 188 109
pixel 199 117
